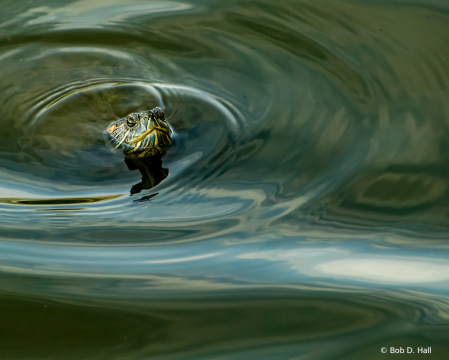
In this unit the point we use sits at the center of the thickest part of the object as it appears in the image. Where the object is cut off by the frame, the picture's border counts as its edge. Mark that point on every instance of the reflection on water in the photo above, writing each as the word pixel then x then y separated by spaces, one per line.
pixel 151 170
pixel 302 211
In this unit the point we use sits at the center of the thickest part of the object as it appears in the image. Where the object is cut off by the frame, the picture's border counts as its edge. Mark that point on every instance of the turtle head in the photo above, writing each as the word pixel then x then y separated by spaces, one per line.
pixel 141 134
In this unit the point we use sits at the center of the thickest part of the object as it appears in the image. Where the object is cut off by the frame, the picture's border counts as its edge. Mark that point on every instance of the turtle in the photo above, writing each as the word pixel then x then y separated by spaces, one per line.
pixel 141 135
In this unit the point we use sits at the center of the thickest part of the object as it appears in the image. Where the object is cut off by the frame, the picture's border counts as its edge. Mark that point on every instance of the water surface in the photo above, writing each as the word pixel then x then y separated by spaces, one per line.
pixel 306 209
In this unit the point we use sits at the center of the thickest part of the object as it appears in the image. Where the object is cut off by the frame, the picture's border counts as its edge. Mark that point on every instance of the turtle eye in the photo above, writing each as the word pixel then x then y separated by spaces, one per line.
pixel 131 122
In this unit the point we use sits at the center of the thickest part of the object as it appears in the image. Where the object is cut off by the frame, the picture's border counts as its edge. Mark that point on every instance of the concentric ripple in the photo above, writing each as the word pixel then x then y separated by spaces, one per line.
pixel 308 172
pixel 66 133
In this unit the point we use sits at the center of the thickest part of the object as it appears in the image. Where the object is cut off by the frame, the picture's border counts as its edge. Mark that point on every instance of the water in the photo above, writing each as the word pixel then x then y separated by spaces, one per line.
pixel 305 211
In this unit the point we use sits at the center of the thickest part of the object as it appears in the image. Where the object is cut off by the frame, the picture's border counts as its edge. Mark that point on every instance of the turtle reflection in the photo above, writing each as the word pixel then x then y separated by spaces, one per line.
pixel 150 168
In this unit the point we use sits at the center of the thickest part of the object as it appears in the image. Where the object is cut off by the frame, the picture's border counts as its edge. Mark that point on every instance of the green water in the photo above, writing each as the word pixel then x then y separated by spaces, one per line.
pixel 305 214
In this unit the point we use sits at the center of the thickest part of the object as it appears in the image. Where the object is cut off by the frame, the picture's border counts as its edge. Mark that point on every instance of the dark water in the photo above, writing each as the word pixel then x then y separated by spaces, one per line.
pixel 306 210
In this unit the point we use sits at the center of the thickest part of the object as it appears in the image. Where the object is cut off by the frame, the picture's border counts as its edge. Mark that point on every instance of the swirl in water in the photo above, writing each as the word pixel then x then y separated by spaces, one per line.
pixel 306 177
